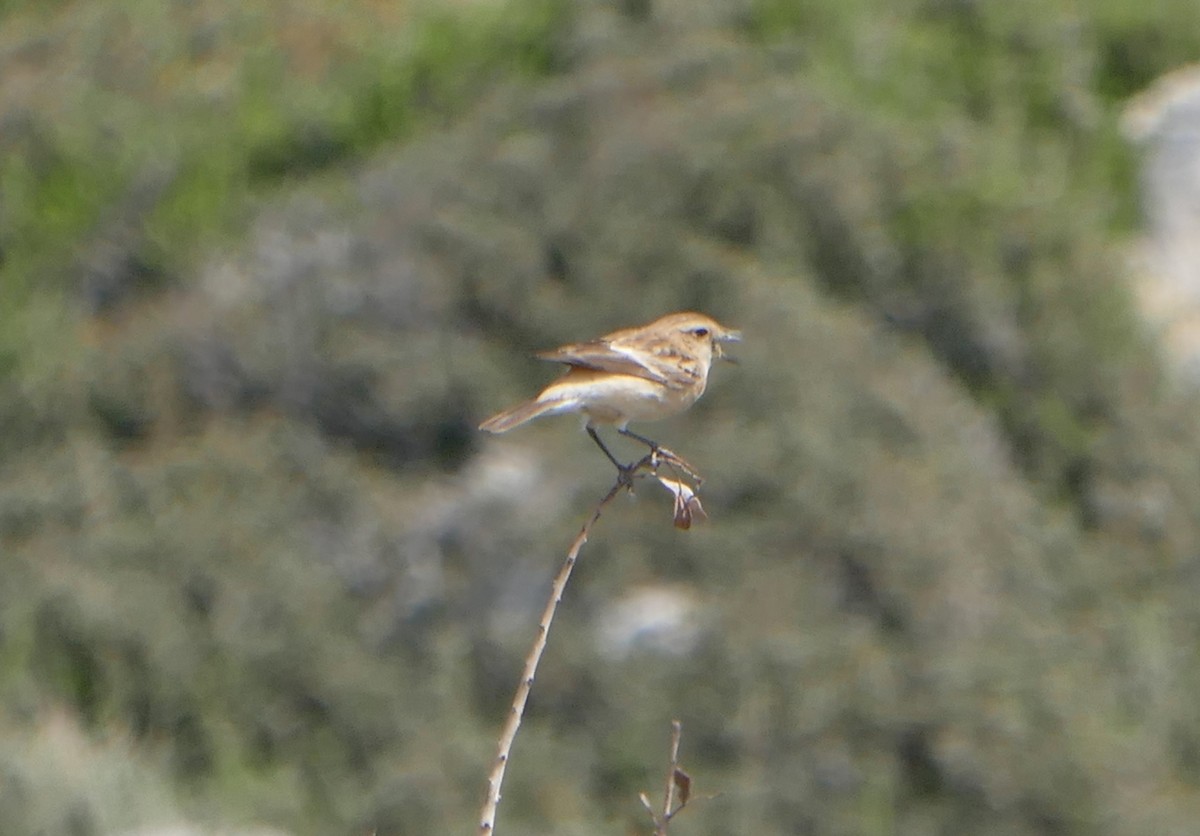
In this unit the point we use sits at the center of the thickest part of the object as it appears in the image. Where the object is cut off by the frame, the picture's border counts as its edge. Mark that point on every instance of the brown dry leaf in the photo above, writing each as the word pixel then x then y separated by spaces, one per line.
pixel 683 783
pixel 687 503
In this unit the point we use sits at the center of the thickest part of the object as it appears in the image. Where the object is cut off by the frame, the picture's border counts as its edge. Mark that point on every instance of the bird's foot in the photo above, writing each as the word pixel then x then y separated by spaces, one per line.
pixel 660 455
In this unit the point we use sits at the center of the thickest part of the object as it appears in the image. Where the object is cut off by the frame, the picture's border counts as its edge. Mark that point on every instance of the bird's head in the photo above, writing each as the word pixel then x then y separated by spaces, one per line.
pixel 702 335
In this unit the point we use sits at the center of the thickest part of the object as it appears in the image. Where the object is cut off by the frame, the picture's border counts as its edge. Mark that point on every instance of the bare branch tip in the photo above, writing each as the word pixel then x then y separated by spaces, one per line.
pixel 649 807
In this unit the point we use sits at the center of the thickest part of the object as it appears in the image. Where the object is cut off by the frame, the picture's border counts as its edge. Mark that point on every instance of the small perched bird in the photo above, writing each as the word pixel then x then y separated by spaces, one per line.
pixel 637 374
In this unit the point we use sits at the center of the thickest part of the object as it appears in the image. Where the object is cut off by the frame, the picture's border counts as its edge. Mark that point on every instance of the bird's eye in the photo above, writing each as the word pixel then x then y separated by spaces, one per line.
pixel 700 332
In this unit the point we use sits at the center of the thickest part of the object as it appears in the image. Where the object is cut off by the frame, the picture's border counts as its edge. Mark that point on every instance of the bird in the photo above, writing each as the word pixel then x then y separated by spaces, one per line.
pixel 644 373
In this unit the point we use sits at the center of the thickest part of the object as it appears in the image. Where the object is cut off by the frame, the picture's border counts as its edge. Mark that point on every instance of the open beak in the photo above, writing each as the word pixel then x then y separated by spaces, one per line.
pixel 727 337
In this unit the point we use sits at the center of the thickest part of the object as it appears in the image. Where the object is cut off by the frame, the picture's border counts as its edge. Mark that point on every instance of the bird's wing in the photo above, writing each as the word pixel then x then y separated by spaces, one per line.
pixel 606 357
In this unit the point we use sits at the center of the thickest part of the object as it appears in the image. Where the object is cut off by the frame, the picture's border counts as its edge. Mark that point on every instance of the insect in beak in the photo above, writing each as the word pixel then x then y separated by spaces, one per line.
pixel 719 350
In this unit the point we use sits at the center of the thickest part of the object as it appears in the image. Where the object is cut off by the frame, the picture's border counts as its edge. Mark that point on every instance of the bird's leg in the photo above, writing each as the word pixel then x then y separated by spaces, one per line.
pixel 624 471
pixel 628 433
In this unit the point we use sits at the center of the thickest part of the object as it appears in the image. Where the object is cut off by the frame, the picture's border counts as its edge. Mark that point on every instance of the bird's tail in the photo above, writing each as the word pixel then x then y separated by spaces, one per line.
pixel 519 414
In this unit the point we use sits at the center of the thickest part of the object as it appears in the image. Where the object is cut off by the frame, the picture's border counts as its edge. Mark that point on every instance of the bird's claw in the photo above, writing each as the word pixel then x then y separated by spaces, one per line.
pixel 661 455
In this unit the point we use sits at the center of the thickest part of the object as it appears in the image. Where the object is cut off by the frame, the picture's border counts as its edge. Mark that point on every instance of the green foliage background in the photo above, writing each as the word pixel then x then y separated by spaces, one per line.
pixel 264 266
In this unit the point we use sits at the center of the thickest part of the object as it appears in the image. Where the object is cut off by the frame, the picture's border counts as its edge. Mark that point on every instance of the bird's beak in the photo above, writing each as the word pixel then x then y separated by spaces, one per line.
pixel 726 337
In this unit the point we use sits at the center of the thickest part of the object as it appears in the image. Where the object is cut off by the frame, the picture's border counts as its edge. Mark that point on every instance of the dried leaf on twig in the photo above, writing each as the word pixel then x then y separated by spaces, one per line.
pixel 687 503
pixel 683 783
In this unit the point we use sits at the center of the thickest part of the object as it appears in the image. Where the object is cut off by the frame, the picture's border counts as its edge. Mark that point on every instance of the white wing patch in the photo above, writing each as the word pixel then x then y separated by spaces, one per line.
pixel 639 358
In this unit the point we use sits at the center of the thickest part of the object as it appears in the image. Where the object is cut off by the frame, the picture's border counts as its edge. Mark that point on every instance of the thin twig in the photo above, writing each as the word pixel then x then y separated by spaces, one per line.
pixel 669 793
pixel 487 817
pixel 676 778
